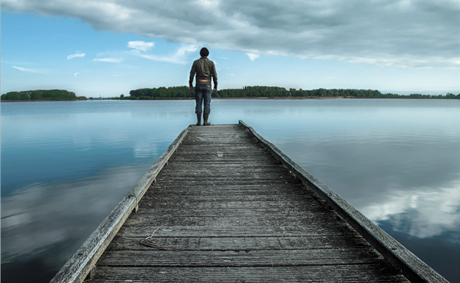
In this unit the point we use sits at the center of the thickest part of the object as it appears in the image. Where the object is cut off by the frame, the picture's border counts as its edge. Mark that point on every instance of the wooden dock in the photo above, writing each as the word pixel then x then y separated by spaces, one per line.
pixel 222 204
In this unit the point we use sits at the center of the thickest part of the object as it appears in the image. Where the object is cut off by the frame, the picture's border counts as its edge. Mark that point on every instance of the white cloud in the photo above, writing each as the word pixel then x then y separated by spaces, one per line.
pixel 178 57
pixel 76 55
pixel 27 70
pixel 140 45
pixel 109 60
pixel 253 56
pixel 412 34
pixel 76 74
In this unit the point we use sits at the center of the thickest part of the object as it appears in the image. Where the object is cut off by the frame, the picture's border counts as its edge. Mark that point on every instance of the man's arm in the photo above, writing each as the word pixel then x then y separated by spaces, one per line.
pixel 192 75
pixel 214 76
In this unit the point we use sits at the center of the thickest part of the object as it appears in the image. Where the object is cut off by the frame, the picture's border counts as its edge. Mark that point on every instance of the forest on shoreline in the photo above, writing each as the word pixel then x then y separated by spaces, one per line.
pixel 42 95
pixel 183 92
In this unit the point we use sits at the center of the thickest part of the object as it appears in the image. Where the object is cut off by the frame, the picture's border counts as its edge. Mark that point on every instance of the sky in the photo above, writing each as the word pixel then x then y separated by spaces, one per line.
pixel 105 48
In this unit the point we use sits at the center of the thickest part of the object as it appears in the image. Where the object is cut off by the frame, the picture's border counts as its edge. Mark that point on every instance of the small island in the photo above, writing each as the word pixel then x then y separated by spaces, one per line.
pixel 41 95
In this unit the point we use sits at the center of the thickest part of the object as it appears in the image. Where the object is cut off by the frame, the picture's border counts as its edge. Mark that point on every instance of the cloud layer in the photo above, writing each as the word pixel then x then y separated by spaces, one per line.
pixel 406 33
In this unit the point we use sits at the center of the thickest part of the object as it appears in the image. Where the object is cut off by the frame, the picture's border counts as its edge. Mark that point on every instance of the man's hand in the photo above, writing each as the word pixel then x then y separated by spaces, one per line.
pixel 215 89
pixel 191 88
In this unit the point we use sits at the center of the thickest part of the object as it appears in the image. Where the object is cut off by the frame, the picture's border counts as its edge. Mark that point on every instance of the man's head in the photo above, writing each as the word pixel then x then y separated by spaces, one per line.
pixel 204 52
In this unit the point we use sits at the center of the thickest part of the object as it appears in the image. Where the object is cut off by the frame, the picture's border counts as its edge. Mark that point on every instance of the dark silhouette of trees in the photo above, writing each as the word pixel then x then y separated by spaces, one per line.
pixel 178 92
pixel 41 95
pixel 273 92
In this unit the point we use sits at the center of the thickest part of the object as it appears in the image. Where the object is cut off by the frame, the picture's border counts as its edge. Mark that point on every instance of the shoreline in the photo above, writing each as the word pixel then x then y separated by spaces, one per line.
pixel 42 100
pixel 234 98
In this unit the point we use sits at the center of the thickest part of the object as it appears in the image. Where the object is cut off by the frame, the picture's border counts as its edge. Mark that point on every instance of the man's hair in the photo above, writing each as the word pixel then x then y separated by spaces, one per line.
pixel 204 52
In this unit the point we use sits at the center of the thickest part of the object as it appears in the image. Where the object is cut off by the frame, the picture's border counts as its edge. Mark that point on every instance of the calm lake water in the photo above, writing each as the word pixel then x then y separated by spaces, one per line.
pixel 65 165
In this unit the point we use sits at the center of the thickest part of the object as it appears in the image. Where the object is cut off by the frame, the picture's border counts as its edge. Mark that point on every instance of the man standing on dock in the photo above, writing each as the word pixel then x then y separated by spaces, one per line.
pixel 204 70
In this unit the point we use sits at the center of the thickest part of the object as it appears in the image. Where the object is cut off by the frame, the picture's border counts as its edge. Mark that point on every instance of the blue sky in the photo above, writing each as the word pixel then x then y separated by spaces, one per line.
pixel 107 47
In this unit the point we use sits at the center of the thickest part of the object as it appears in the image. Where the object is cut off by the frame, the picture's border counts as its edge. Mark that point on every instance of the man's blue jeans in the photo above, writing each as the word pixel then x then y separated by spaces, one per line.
pixel 203 93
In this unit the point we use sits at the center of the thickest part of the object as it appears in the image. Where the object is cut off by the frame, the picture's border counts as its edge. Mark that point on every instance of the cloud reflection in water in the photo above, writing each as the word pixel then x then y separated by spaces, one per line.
pixel 420 212
pixel 39 216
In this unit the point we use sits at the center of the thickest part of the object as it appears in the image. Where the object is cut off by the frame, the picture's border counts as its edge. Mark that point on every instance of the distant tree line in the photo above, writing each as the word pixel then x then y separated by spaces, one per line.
pixel 183 92
pixel 278 92
pixel 177 92
pixel 41 95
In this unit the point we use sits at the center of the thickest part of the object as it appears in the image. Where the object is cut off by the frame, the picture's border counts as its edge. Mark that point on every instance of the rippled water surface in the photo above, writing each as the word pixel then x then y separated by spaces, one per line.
pixel 65 165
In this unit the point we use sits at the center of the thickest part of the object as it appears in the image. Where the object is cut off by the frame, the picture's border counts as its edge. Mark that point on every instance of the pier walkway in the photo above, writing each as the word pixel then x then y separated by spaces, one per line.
pixel 226 208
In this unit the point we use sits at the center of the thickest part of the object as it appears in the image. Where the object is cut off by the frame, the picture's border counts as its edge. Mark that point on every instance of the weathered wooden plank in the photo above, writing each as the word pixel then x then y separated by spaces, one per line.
pixel 212 207
pixel 224 180
pixel 224 157
pixel 240 243
pixel 200 196
pixel 268 258
pixel 224 148
pixel 313 229
pixel 232 218
pixel 359 273
pixel 240 138
pixel 216 161
pixel 226 171
pixel 244 219
pixel 233 192
pixel 295 208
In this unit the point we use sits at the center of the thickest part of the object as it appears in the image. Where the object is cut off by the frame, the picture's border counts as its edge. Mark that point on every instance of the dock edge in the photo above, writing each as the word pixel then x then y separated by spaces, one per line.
pixel 80 265
pixel 399 256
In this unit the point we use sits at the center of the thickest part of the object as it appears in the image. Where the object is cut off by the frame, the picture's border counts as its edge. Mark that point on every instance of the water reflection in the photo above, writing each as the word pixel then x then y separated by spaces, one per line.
pixel 39 217
pixel 419 212
pixel 69 141
pixel 409 177
pixel 66 165
pixel 398 162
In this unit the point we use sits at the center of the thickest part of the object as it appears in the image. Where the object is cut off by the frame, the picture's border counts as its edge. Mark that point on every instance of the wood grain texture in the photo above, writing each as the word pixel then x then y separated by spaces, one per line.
pixel 224 209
